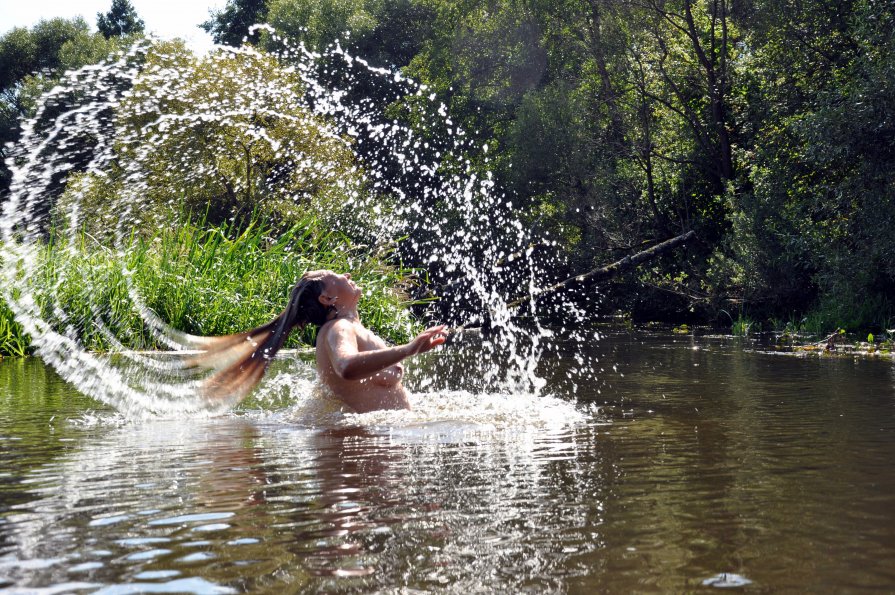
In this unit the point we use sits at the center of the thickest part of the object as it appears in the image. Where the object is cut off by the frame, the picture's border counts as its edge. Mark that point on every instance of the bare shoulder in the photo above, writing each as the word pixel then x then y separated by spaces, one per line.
pixel 337 333
pixel 339 326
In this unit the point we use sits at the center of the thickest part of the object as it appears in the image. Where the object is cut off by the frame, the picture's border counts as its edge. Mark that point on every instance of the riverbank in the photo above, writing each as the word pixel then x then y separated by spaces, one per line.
pixel 203 281
pixel 836 344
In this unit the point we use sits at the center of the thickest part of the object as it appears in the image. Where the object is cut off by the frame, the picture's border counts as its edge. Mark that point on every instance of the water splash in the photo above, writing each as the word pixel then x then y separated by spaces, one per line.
pixel 408 184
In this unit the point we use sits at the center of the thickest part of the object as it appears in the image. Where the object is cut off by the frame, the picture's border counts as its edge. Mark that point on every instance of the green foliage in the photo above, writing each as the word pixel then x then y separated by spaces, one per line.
pixel 871 313
pixel 744 325
pixel 121 20
pixel 220 281
pixel 319 23
pixel 253 151
pixel 206 281
pixel 13 340
pixel 230 25
pixel 32 62
pixel 765 126
pixel 27 51
pixel 384 32
pixel 814 227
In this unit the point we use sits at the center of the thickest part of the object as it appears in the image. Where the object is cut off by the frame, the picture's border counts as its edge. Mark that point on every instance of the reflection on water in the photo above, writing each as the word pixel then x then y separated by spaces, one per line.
pixel 719 465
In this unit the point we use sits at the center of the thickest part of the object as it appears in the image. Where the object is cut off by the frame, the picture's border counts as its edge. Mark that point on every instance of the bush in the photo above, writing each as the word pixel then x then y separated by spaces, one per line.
pixel 225 136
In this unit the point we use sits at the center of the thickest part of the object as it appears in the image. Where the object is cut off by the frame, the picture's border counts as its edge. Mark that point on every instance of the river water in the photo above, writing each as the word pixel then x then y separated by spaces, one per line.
pixel 687 463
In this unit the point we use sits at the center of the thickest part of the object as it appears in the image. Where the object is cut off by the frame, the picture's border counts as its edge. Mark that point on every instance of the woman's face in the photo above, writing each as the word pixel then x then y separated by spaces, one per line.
pixel 338 286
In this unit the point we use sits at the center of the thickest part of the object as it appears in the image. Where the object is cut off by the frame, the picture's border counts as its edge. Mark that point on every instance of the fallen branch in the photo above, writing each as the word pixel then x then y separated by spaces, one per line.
pixel 829 343
pixel 610 270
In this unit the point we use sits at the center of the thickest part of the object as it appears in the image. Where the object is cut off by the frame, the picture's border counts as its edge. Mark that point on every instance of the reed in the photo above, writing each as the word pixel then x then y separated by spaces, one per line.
pixel 13 340
pixel 205 281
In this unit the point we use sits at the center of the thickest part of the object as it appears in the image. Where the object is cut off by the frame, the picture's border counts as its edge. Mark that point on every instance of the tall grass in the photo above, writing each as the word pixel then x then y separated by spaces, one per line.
pixel 13 340
pixel 202 281
pixel 876 315
pixel 743 326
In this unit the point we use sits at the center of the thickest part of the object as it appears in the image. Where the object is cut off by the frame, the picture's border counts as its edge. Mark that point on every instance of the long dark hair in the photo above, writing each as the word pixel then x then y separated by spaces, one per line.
pixel 240 360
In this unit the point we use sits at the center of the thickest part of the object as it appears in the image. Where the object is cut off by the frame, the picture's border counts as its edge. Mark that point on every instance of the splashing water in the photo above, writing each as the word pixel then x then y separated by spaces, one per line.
pixel 387 180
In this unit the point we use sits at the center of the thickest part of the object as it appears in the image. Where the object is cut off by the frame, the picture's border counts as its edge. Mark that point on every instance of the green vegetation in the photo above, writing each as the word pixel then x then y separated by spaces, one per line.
pixel 237 199
pixel 764 126
pixel 206 281
pixel 253 152
pixel 121 20
pixel 13 340
pixel 743 326
pixel 33 60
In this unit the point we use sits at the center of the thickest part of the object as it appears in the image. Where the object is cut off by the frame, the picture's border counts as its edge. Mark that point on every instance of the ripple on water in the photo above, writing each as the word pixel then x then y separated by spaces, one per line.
pixel 60 588
pixel 86 566
pixel 150 575
pixel 244 541
pixel 195 585
pixel 197 557
pixel 192 518
pixel 109 520
pixel 147 555
pixel 12 562
pixel 211 527
pixel 469 486
pixel 133 541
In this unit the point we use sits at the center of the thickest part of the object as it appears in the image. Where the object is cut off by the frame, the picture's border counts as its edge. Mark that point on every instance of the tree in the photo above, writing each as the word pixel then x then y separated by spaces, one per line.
pixel 26 51
pixel 224 137
pixel 31 62
pixel 816 229
pixel 231 25
pixel 121 20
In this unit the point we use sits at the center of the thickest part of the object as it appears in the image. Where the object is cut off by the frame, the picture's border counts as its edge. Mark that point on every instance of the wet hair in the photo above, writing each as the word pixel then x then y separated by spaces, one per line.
pixel 240 360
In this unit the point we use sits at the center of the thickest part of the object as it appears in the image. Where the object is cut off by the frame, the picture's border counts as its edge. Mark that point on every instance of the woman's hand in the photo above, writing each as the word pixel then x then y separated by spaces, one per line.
pixel 427 340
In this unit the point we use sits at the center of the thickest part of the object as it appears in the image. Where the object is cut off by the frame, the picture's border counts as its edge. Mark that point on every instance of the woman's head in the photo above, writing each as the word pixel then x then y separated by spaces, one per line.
pixel 241 359
pixel 305 306
pixel 339 291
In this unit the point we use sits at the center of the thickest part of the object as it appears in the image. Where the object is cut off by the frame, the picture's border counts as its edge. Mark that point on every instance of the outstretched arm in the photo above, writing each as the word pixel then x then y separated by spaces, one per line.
pixel 351 364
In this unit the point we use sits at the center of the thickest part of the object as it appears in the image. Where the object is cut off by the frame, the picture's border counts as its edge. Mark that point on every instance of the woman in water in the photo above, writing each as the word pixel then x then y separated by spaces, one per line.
pixel 352 362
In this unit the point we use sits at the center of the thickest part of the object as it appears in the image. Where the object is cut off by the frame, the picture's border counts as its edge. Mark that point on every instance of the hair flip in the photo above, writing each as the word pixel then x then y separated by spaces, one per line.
pixel 240 360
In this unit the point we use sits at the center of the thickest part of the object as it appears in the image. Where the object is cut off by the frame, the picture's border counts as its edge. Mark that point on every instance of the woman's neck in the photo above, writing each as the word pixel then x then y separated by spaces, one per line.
pixel 347 314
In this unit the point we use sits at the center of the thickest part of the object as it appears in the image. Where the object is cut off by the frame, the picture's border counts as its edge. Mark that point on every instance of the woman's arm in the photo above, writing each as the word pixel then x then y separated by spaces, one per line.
pixel 350 364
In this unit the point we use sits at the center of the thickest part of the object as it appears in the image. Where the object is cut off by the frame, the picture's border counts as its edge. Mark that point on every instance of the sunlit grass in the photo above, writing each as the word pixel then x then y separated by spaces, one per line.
pixel 202 281
pixel 13 340
pixel 742 326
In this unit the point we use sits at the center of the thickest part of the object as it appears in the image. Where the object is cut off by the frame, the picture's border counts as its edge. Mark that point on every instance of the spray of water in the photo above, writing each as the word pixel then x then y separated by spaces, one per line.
pixel 403 183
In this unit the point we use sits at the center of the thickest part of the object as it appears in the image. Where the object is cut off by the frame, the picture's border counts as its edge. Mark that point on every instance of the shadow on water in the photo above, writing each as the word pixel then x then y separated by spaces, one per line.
pixel 721 466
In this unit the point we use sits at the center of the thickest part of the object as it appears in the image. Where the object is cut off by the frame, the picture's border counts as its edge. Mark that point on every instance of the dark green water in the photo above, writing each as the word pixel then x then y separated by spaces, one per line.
pixel 706 457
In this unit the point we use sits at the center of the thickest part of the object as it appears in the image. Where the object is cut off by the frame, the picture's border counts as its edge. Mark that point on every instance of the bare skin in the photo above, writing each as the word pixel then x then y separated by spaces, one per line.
pixel 356 365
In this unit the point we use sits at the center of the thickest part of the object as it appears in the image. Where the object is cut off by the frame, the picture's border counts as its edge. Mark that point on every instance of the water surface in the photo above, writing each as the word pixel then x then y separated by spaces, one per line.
pixel 683 459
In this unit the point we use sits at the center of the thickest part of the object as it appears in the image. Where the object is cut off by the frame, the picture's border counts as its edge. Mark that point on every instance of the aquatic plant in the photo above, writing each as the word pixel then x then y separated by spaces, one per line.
pixel 743 325
pixel 13 340
pixel 205 281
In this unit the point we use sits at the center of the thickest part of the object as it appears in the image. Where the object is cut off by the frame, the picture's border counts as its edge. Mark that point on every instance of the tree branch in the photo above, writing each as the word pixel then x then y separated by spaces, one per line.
pixel 610 270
